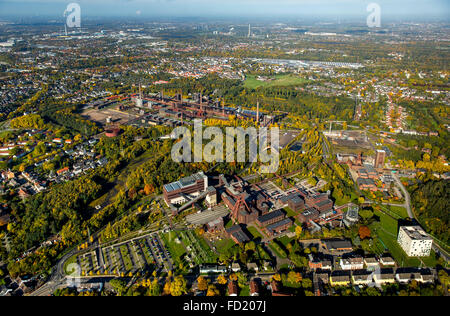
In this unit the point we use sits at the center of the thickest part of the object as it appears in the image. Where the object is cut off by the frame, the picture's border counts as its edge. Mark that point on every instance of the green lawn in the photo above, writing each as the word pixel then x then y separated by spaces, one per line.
pixel 387 232
pixel 388 223
pixel 70 261
pixel 211 256
pixel 398 210
pixel 432 261
pixel 245 291
pixel 290 212
pixel 276 249
pixel 284 240
pixel 224 245
pixel 255 232
pixel 176 250
pixel 229 224
pixel 263 255
pixel 280 80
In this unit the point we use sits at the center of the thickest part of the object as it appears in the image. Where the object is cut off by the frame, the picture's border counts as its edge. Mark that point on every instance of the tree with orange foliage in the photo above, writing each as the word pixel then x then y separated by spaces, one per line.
pixel 233 277
pixel 364 232
pixel 222 280
pixel 149 189
pixel 132 193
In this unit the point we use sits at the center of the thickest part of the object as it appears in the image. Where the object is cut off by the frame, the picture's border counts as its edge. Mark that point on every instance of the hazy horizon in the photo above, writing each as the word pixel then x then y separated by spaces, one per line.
pixel 257 9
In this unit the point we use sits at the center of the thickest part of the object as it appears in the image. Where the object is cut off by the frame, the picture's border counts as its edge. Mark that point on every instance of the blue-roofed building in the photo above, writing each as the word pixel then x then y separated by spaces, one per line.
pixel 183 190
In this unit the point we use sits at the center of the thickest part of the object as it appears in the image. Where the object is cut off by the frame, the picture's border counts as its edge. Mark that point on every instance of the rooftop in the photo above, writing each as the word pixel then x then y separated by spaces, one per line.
pixel 279 224
pixel 415 232
pixel 238 233
pixel 270 216
pixel 184 182
pixel 338 244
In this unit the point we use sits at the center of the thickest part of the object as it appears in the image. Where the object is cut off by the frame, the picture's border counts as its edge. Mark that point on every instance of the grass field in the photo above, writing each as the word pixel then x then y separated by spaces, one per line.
pixel 210 255
pixel 224 245
pixel 71 260
pixel 290 212
pixel 176 250
pixel 263 255
pixel 398 210
pixel 245 291
pixel 284 240
pixel 281 80
pixel 387 232
pixel 276 249
pixel 255 233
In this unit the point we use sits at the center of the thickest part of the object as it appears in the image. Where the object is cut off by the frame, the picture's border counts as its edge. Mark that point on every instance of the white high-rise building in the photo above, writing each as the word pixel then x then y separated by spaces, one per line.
pixel 415 241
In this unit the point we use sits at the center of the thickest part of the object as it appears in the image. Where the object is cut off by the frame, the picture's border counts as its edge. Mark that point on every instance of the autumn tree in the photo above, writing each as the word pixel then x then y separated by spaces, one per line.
pixel 222 280
pixel 119 286
pixel 364 232
pixel 276 277
pixel 202 283
pixel 212 291
pixel 149 189
pixel 294 277
pixel 178 286
pixel 298 231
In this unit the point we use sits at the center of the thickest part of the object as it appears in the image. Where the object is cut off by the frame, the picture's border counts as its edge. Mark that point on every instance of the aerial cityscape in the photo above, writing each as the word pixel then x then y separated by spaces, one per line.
pixel 191 149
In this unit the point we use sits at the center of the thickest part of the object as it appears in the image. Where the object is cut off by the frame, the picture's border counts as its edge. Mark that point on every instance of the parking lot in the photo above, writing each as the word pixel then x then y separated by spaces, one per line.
pixel 128 257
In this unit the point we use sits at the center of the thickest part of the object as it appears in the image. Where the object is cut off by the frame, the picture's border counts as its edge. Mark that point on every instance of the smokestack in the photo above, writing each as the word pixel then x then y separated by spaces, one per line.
pixel 257 112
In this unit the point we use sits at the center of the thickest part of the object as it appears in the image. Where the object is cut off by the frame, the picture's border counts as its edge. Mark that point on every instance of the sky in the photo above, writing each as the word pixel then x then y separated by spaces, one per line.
pixel 227 8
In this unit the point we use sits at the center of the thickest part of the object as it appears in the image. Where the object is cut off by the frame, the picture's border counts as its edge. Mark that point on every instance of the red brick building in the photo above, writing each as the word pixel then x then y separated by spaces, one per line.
pixel 176 192
pixel 270 218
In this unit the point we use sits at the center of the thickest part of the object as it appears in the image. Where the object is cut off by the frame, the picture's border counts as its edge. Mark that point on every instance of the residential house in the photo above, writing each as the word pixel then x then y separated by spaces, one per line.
pixel 339 278
pixel 353 263
pixel 387 261
pixel 362 277
pixel 371 263
pixel 384 276
pixel 235 267
pixel 252 267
